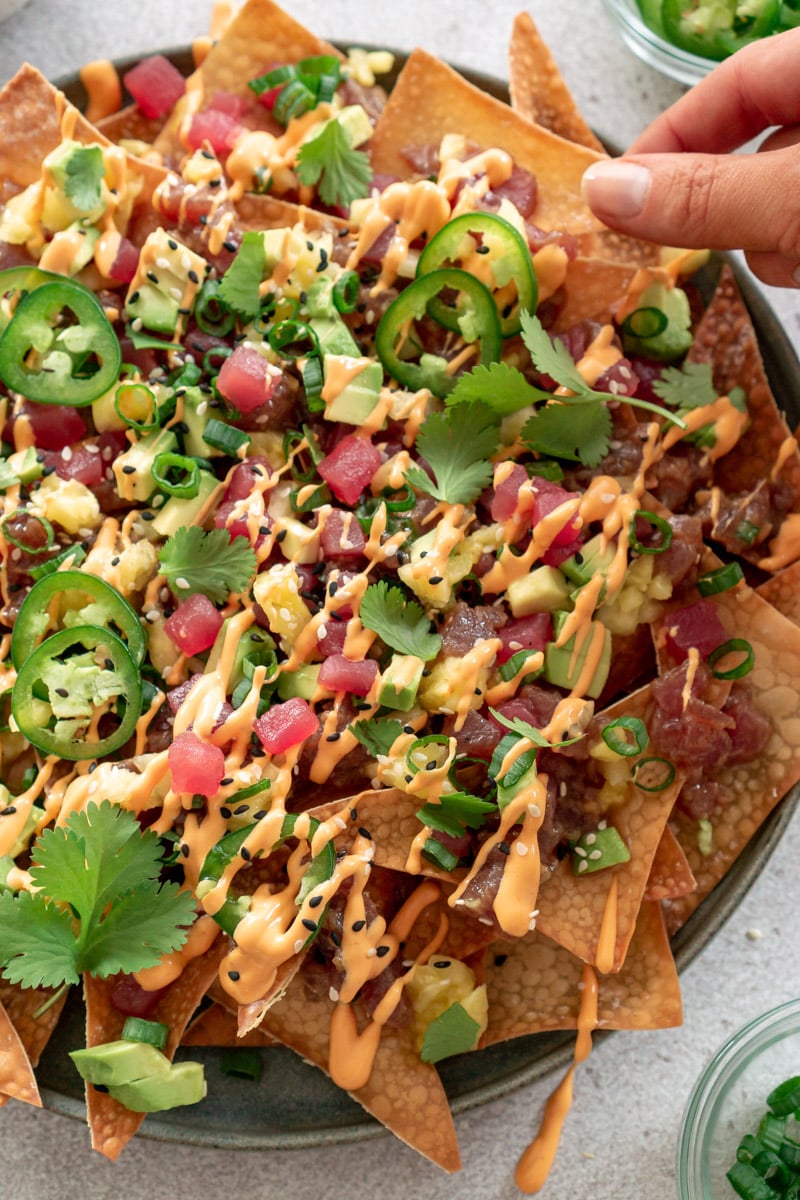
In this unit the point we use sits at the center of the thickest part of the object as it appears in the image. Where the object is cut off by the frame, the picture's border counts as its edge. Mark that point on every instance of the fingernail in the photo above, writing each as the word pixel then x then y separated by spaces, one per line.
pixel 796 276
pixel 616 189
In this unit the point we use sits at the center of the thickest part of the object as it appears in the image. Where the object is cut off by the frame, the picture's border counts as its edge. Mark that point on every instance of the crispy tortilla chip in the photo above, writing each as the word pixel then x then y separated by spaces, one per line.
pixel 430 99
pixel 259 36
pixel 726 338
pixel 251 1015
pixel 35 118
pixel 670 875
pixel 591 291
pixel 217 1026
pixel 269 212
pixel 21 1005
pixel 16 1073
pixel 537 87
pixel 573 909
pixel 783 592
pixel 404 1093
pixel 619 248
pixel 753 788
pixel 534 985
pixel 111 1124
pixel 130 124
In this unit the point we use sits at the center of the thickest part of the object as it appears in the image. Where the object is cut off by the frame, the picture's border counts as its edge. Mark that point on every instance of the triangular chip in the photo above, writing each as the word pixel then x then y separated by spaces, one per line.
pixel 217 1026
pixel 31 1015
pixel 111 1124
pixel 592 290
pixel 670 875
pixel 537 87
pixel 534 985
pixel 430 100
pixel 783 592
pixel 17 1079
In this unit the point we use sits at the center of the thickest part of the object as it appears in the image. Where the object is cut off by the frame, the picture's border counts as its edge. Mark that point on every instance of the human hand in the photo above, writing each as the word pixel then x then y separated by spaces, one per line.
pixel 679 185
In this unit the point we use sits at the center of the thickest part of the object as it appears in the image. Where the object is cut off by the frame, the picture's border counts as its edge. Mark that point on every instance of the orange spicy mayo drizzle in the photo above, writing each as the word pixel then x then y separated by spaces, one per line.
pixel 534 1165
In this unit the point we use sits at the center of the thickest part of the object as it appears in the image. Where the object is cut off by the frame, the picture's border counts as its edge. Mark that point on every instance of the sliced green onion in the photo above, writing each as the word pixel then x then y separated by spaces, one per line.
pixel 320 495
pixel 721 580
pixel 242 1063
pixel 165 463
pixel 772 1170
pixel 747 532
pixel 732 646
pixel 319 65
pixel 345 292
pixel 404 500
pixel 225 437
pixel 292 440
pixel 514 665
pixel 215 357
pixel 136 405
pixel 748 1184
pixel 645 323
pixel 272 79
pixel 615 736
pixel 663 527
pixel 211 312
pixel 748 1147
pixel 14 540
pixel 312 382
pixel 255 789
pixel 293 339
pixel 295 98
pixel 420 745
pixel 152 1033
pixel 784 1099
pixel 73 554
pixel 439 855
pixel 664 775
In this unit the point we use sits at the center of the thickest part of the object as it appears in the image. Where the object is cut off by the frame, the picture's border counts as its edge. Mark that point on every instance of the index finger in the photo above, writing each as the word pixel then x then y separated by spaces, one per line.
pixel 746 94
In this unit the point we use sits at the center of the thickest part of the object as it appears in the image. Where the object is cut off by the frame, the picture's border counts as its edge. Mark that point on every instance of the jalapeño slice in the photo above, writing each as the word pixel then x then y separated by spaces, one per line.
pixel 507 259
pixel 77 674
pixel 59 347
pixel 106 608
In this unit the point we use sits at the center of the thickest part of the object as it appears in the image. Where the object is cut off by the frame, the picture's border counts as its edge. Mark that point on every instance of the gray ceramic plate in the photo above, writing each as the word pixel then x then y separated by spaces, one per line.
pixel 295 1105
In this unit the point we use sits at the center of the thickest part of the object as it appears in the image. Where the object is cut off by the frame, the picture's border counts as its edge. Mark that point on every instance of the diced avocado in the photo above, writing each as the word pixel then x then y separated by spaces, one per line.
pixel 563 667
pixel 195 417
pixel 595 556
pixel 431 579
pixel 544 590
pixel 334 337
pixel 178 512
pixel 254 642
pixel 356 124
pixel 184 1083
pixel 66 163
pixel 167 281
pixel 319 298
pixel 597 850
pixel 400 682
pixel 25 465
pixel 674 339
pixel 357 399
pixel 301 683
pixel 120 1062
pixel 133 470
pixel 505 794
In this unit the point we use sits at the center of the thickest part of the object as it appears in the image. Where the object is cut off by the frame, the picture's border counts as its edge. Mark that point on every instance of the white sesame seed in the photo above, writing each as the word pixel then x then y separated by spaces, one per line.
pixel 136 324
pixel 590 839
pixel 182 582
pixel 753 935
pixel 582 866
pixel 153 615
pixel 579 850
pixel 202 408
pixel 594 855
pixel 93 449
pixel 534 810
pixel 322 631
pixel 521 849
pixel 298 946
pixel 66 454
pixel 333 995
pixel 284 614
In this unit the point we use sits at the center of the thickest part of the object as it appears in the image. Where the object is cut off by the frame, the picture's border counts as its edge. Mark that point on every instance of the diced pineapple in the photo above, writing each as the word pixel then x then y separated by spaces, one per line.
pixel 448 686
pixel 290 247
pixel 68 502
pixel 300 544
pixel 268 444
pixel 431 578
pixel 278 592
pixel 161 650
pixel 433 989
pixel 20 220
pixel 129 568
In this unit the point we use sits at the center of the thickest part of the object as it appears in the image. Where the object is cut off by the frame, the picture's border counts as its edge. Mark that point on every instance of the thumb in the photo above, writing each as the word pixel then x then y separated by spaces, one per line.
pixel 722 202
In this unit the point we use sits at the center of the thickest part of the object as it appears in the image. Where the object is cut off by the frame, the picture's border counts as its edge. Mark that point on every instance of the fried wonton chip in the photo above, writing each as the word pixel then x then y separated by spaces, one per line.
pixel 430 100
pixel 783 592
pixel 270 212
pixel 670 875
pixel 404 1093
pixel 31 1015
pixel 217 1026
pixel 592 290
pixel 130 124
pixel 35 118
pixel 751 789
pixel 111 1124
pixel 537 87
pixel 594 915
pixel 534 985
pixel 726 339
pixel 17 1079
pixel 259 36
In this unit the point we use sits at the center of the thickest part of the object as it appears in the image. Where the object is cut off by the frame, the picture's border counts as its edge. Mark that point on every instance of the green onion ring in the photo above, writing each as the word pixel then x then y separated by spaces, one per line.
pixel 646 762
pixel 663 527
pixel 619 743
pixel 645 323
pixel 721 580
pixel 732 646
pixel 14 540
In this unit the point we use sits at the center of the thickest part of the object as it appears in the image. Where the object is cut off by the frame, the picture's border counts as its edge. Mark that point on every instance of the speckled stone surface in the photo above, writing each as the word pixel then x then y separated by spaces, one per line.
pixel 619 1142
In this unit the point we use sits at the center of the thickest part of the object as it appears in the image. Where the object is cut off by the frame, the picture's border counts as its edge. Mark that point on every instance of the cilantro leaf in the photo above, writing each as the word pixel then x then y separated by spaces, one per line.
pixel 526 730
pixel 194 560
pixel 85 173
pixel 98 908
pixel 688 386
pixel 503 387
pixel 400 623
pixel 239 287
pixel 377 736
pixel 455 812
pixel 328 160
pixel 550 356
pixel 453 1032
pixel 456 444
pixel 577 432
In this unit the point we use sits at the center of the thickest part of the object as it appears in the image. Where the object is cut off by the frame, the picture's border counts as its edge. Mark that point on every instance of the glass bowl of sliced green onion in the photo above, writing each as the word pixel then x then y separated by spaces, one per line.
pixel 740 1134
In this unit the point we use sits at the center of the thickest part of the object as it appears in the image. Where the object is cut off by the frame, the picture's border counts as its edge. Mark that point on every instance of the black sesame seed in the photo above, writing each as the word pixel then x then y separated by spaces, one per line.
pixel 8 812
pixel 336 937
pixel 315 902
pixel 358 926
pixel 382 951
pixel 310 925
pixel 234 976
pixel 115 561
pixel 185 851
pixel 504 847
pixel 128 469
pixel 333 588
pixel 173 245
pixel 430 766
pixel 62 692
pixel 365 833
pixel 231 247
pixel 442 964
pixel 481 249
pixel 280 535
pixel 242 808
pixel 434 579
pixel 408 729
pixel 192 276
pixel 226 781
pixel 333 737
pixel 147 516
pixel 578 557
pixel 259 816
pixel 245 853
pixel 133 298
pixel 151 275
pixel 353 814
pixel 499 959
pixel 225 812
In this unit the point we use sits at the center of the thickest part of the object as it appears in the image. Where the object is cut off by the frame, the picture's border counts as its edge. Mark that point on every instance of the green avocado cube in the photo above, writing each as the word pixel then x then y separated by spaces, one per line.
pixel 184 1083
pixel 119 1062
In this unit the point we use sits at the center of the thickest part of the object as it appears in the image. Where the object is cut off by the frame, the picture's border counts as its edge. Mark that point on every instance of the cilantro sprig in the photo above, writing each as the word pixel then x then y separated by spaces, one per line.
pixel 688 386
pixel 377 736
pixel 195 560
pixel 239 287
pixel 499 385
pixel 456 444
pixel 400 623
pixel 328 161
pixel 99 906
pixel 85 171
pixel 453 1032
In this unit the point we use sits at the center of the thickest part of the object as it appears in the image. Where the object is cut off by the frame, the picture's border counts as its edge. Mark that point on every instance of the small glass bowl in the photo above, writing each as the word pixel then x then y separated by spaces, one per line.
pixel 654 50
pixel 730 1097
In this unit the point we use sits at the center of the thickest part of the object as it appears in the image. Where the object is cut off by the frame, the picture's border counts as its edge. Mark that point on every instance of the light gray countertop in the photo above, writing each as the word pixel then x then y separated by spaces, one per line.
pixel 619 1141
